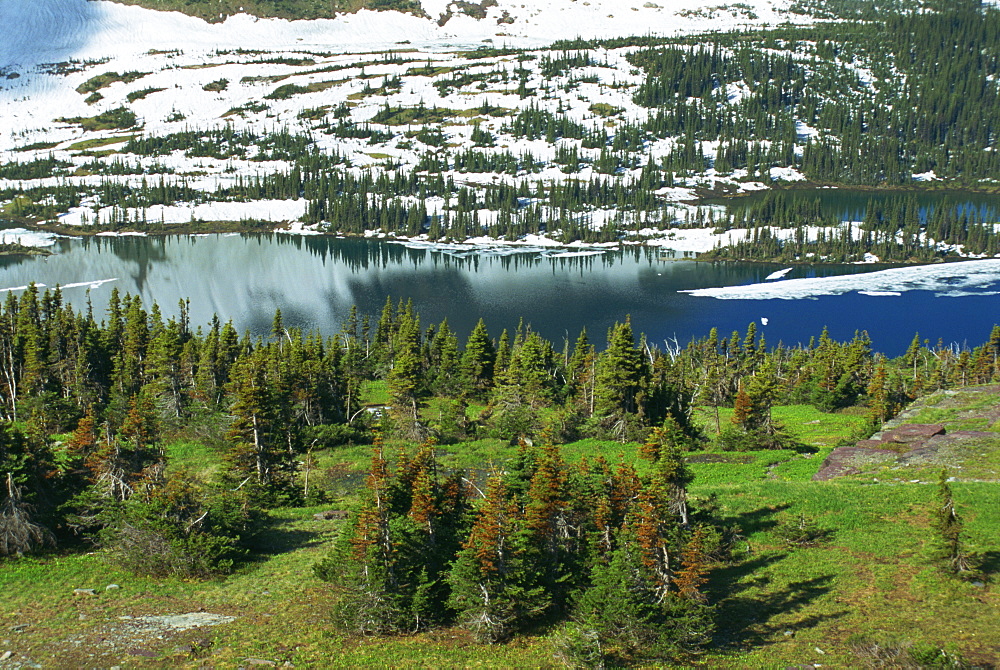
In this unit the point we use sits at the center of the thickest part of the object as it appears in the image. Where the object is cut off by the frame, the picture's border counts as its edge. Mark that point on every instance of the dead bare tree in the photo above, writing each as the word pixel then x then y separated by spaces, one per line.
pixel 18 533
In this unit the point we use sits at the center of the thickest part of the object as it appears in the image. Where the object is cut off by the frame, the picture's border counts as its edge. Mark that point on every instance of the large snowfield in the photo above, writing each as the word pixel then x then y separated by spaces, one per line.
pixel 41 31
pixel 945 280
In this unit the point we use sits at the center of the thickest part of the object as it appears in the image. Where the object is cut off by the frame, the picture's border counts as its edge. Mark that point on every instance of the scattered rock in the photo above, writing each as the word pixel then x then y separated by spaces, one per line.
pixel 175 622
pixel 20 628
pixel 259 661
pixel 7 654
pixel 144 653
pixel 84 592
pixel 111 587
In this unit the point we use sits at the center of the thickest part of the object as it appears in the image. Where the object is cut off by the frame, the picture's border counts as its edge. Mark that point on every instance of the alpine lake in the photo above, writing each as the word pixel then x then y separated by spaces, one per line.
pixel 315 280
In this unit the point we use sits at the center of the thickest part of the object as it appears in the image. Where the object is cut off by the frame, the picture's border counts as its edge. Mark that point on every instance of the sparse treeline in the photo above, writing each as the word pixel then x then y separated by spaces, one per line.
pixel 896 229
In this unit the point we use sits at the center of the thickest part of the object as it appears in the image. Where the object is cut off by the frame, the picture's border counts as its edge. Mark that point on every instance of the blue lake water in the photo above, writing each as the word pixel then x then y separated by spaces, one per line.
pixel 315 280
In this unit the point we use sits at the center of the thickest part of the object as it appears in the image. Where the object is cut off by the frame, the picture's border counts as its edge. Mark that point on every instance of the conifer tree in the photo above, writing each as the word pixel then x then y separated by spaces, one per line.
pixel 620 380
pixel 492 589
pixel 262 437
pixel 581 371
pixel 478 360
pixel 950 551
pixel 405 378
pixel 632 618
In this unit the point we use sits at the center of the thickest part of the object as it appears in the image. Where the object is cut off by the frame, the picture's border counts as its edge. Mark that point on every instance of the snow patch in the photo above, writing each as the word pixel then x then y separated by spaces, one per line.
pixel 946 280
pixel 880 294
pixel 28 238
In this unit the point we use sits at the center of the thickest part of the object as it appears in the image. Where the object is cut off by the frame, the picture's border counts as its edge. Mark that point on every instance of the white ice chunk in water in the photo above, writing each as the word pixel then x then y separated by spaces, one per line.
pixel 777 275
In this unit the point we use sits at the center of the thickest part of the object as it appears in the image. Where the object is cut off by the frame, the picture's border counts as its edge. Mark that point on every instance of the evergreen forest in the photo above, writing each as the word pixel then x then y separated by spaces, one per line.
pixel 613 552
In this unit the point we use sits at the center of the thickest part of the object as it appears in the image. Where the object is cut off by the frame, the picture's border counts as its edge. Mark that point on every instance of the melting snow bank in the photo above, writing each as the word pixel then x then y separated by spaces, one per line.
pixel 945 279
pixel 96 283
pixel 28 238
pixel 880 294
pixel 89 284
pixel 488 246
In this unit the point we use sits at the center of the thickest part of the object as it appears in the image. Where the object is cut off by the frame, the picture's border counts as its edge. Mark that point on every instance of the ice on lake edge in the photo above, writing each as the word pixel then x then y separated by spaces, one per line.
pixel 962 278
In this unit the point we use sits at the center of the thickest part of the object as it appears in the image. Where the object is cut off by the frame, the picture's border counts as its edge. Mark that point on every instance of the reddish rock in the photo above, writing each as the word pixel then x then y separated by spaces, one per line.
pixel 913 432
pixel 841 461
pixel 870 444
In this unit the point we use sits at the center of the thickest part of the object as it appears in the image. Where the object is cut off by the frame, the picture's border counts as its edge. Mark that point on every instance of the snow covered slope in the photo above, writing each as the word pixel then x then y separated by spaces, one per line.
pixel 39 31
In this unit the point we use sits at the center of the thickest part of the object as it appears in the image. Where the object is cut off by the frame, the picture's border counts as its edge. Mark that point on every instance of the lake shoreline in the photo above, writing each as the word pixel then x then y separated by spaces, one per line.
pixel 484 244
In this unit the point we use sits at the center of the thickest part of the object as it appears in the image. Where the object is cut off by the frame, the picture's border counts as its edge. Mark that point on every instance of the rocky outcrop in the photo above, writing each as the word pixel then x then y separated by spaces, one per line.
pixel 844 461
pixel 911 433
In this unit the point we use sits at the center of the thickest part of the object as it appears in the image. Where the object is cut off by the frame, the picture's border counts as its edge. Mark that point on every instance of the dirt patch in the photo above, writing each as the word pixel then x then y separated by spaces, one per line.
pixel 144 637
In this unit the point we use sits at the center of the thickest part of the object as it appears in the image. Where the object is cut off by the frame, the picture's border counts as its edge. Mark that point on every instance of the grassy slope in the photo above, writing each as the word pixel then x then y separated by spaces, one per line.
pixel 776 607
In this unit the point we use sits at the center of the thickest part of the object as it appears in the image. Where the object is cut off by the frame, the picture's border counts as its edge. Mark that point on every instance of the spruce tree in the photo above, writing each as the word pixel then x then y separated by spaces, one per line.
pixel 492 588
pixel 478 360
pixel 620 380
pixel 949 550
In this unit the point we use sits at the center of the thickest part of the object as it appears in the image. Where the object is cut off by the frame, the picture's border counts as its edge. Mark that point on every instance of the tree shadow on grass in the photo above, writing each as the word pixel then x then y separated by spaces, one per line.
pixel 745 604
pixel 749 523
pixel 802 448
pixel 989 564
pixel 276 540
pixel 281 536
pixel 746 621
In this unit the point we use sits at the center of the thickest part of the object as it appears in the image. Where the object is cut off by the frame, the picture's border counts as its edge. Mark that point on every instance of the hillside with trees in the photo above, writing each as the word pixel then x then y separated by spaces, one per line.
pixel 104 410
pixel 396 492
pixel 628 140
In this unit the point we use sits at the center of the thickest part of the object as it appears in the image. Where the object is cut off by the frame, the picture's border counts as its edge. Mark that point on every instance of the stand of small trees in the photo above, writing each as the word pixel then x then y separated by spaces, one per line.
pixel 619 554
